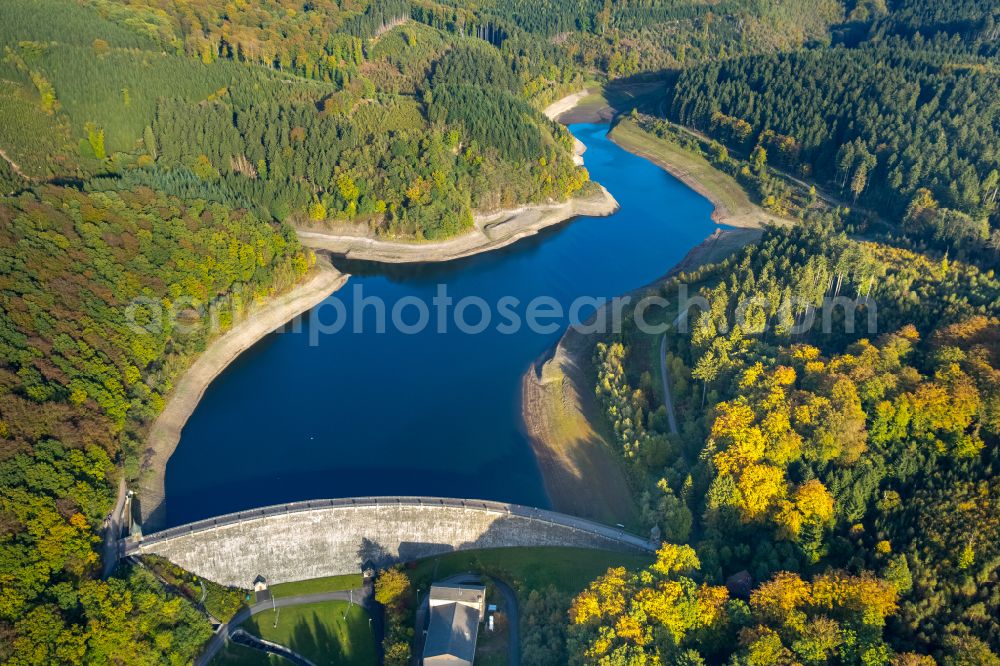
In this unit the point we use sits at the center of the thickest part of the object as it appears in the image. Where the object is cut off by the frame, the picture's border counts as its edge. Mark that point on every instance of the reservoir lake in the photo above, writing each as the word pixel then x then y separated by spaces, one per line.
pixel 432 413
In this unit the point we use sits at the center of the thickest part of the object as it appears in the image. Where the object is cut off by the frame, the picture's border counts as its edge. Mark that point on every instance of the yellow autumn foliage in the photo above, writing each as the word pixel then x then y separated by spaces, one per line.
pixel 673 559
pixel 760 487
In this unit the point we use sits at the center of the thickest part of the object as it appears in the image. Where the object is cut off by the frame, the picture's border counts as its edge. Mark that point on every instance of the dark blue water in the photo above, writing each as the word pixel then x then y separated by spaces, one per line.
pixel 431 413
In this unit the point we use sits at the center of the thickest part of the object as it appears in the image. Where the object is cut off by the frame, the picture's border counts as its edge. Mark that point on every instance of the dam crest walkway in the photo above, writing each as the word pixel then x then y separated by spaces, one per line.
pixel 310 539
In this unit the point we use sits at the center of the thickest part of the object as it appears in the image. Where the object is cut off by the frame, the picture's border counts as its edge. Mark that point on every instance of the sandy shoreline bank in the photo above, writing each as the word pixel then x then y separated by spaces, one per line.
pixel 552 397
pixel 576 108
pixel 745 214
pixel 583 475
pixel 721 213
pixel 166 429
pixel 492 231
pixel 564 104
pixel 557 108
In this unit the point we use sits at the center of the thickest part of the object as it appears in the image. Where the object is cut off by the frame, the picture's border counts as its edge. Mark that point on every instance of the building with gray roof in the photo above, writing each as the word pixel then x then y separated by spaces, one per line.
pixel 455 613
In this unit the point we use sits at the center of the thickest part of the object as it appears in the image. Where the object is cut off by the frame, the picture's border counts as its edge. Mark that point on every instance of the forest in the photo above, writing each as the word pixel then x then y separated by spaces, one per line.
pixel 841 480
pixel 870 123
pixel 153 158
pixel 327 145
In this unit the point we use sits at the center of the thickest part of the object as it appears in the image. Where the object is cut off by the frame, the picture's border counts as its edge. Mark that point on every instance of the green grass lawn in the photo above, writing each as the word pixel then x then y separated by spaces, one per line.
pixel 319 632
pixel 570 570
pixel 315 585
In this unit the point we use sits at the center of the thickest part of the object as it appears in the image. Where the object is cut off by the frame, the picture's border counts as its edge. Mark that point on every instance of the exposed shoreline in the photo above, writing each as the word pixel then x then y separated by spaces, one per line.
pixel 564 104
pixel 558 108
pixel 581 473
pixel 165 431
pixel 563 476
pixel 575 109
pixel 491 230
pixel 747 214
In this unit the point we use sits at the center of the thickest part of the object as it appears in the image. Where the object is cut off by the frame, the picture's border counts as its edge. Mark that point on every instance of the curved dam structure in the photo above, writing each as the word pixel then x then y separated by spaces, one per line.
pixel 302 540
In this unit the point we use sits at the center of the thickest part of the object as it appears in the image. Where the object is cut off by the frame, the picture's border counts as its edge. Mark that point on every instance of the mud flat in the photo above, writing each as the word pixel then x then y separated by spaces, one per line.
pixel 582 474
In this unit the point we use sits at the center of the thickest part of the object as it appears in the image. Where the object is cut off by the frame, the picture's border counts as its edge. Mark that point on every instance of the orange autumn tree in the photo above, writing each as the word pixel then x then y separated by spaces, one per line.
pixel 752 440
pixel 862 448
pixel 808 511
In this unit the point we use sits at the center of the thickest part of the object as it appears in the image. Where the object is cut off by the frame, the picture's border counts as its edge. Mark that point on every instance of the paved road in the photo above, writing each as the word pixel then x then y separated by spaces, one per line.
pixel 667 400
pixel 359 595
pixel 513 622
pixel 112 532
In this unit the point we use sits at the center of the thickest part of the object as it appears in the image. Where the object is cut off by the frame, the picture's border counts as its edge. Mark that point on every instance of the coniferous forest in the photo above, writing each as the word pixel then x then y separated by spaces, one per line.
pixel 827 498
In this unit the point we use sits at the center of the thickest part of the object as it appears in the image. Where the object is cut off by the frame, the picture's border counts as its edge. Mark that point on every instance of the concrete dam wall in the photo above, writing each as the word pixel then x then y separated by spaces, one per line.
pixel 304 540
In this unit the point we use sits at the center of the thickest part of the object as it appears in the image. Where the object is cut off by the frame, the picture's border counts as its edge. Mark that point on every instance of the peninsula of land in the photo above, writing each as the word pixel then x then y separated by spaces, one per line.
pixel 491 230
